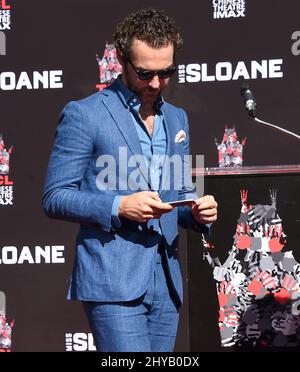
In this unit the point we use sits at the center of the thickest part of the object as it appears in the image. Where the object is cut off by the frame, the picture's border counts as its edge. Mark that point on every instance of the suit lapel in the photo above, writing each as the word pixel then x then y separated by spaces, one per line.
pixel 168 120
pixel 170 130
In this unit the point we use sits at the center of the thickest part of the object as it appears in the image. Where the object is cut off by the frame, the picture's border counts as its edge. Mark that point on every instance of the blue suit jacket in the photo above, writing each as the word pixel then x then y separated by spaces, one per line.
pixel 111 264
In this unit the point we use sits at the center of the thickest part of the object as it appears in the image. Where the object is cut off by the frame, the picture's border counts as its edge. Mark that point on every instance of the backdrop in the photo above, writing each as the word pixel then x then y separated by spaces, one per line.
pixel 51 53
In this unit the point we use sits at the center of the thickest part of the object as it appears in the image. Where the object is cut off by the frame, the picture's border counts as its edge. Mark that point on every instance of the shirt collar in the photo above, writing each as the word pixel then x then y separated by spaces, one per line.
pixel 130 99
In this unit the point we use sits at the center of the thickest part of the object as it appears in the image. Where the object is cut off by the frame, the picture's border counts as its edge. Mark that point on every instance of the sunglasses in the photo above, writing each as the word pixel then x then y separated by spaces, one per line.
pixel 146 75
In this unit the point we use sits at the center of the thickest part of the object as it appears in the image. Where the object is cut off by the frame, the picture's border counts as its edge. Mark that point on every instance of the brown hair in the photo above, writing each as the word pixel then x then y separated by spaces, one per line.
pixel 149 25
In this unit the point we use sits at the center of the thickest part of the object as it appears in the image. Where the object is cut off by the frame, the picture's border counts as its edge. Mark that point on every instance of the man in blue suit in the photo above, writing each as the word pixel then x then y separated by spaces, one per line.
pixel 102 175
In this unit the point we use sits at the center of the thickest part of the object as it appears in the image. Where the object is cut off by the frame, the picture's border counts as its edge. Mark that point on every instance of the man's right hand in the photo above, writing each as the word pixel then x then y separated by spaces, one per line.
pixel 142 206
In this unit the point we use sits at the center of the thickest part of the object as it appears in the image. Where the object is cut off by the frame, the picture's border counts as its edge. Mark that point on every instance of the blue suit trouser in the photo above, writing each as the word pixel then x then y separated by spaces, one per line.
pixel 146 324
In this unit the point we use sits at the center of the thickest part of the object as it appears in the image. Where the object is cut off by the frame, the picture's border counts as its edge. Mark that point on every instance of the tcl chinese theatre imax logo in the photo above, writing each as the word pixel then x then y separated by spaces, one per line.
pixel 5 24
pixel 6 185
pixel 229 8
pixel 5 16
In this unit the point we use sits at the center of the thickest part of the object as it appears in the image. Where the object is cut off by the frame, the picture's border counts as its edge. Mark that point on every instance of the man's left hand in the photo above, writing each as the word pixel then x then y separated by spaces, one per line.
pixel 205 209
